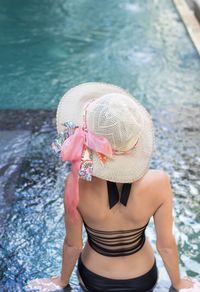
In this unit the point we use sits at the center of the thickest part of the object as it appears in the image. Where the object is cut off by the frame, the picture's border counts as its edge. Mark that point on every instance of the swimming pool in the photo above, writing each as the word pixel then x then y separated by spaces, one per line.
pixel 49 46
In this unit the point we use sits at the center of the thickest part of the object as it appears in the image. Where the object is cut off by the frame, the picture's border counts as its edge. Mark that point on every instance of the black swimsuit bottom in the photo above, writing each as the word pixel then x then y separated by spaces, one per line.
pixel 95 282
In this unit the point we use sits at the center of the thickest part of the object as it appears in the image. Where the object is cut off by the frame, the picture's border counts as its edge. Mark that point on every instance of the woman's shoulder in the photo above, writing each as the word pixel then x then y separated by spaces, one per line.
pixel 155 181
pixel 149 191
pixel 155 176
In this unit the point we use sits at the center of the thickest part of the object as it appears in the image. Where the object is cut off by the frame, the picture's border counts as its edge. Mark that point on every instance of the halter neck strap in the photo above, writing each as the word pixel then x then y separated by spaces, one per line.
pixel 113 194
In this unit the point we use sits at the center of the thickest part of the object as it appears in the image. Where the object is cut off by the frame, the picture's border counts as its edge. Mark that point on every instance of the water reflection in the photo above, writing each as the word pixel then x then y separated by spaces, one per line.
pixel 50 46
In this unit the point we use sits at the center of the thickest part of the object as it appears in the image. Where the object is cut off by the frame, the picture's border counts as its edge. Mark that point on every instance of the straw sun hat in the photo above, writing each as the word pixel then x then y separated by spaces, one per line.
pixel 115 114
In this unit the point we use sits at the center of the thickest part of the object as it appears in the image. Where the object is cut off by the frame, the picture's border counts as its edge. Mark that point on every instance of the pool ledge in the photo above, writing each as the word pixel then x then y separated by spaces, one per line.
pixel 191 23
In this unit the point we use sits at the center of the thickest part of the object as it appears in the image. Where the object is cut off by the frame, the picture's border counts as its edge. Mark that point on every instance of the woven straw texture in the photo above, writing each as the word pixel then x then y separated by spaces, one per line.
pixel 115 114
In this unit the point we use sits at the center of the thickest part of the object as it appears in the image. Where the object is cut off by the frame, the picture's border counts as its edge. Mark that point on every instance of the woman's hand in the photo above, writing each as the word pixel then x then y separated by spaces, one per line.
pixel 46 284
pixel 187 285
pixel 57 281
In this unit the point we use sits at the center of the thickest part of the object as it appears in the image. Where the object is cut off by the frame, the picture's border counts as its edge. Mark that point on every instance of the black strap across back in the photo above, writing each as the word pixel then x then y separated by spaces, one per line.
pixel 121 242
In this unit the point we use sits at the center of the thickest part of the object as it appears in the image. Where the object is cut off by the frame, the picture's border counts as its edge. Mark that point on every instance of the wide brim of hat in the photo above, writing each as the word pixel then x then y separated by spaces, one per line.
pixel 124 168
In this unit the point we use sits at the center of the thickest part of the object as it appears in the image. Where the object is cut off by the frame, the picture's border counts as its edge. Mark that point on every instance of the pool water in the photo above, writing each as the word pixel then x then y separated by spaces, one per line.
pixel 48 47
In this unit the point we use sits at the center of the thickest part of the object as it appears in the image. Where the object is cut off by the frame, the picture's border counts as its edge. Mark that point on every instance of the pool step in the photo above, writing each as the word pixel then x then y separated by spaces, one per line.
pixel 188 11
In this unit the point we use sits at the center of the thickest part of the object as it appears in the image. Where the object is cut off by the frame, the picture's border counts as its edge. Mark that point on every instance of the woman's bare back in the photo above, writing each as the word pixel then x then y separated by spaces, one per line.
pixel 145 198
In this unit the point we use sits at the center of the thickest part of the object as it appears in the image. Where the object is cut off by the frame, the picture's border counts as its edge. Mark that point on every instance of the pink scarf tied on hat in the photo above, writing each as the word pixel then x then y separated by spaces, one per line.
pixel 79 143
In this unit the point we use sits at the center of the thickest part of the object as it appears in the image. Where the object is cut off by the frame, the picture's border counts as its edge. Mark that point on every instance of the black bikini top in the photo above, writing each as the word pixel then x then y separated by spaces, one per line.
pixel 121 242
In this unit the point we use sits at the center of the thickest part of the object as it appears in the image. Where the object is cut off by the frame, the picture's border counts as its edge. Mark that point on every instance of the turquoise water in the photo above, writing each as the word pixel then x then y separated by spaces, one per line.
pixel 48 46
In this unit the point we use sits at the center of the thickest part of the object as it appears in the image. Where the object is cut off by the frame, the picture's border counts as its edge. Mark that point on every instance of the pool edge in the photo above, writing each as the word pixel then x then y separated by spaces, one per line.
pixel 190 21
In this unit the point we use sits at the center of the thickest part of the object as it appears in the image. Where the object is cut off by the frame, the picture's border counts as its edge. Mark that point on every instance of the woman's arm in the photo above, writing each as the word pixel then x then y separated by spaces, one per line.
pixel 165 241
pixel 72 246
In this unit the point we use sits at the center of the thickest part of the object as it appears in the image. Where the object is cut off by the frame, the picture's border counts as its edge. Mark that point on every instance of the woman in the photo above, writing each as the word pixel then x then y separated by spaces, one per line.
pixel 108 137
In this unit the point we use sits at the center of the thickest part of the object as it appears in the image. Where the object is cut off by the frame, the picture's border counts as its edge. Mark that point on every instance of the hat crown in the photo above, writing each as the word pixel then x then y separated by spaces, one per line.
pixel 116 117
